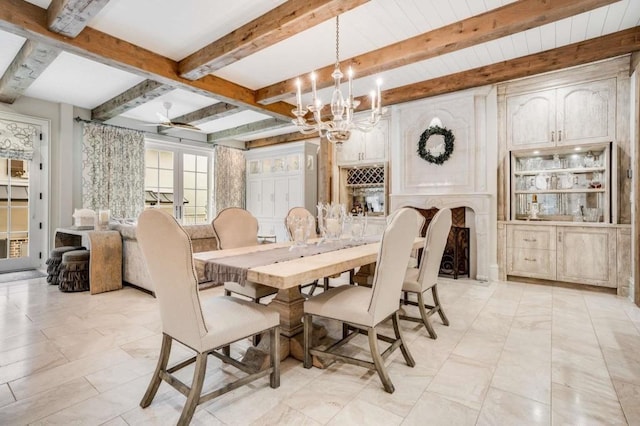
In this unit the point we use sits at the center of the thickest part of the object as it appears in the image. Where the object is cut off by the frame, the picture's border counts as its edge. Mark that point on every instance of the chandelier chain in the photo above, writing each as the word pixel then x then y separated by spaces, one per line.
pixel 337 41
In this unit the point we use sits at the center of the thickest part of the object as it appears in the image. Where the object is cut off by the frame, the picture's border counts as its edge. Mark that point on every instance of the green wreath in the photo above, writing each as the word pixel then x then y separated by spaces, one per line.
pixel 426 155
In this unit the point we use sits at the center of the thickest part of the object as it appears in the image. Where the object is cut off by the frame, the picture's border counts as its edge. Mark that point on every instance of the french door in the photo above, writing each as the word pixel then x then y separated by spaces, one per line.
pixel 179 180
pixel 22 209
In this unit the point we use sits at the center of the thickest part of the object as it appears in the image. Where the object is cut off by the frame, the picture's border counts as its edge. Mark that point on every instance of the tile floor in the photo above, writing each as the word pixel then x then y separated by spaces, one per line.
pixel 514 354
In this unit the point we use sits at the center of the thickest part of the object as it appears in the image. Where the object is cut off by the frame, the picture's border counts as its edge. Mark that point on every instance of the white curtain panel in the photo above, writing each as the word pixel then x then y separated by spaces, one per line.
pixel 229 172
pixel 113 170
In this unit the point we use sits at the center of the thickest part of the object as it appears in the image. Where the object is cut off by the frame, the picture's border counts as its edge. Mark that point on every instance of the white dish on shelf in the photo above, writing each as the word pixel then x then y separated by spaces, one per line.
pixel 541 182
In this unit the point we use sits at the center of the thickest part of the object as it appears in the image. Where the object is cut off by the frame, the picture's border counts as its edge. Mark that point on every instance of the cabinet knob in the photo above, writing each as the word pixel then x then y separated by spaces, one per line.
pixel 559 135
pixel 530 240
pixel 559 237
pixel 552 135
pixel 529 259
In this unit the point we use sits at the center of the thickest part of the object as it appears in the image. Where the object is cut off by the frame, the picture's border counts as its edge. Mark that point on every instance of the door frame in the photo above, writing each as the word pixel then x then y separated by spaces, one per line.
pixel 38 196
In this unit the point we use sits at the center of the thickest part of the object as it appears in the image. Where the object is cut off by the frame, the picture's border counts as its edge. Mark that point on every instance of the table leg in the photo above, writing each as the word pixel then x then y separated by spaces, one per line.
pixel 290 305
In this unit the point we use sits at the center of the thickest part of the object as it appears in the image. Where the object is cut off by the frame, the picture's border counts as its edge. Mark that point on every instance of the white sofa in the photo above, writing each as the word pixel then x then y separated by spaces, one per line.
pixel 134 267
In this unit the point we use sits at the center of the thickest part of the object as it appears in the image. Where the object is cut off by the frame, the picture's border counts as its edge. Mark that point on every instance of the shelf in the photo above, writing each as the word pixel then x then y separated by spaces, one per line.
pixel 547 171
pixel 365 185
pixel 560 191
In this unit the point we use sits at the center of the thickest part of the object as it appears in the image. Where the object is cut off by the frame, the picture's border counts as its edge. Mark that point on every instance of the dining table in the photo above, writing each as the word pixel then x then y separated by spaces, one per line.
pixel 287 271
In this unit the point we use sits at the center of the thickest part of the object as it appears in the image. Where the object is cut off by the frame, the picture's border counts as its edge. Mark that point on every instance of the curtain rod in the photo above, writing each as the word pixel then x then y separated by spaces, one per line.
pixel 82 120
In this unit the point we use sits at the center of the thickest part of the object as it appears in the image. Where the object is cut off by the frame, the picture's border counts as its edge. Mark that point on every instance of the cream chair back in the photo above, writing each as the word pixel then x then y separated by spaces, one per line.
pixel 167 252
pixel 235 227
pixel 434 244
pixel 421 219
pixel 300 212
pixel 391 264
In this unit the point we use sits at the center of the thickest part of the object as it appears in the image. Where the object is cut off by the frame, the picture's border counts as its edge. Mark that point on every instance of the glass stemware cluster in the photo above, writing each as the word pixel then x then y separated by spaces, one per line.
pixel 331 217
pixel 301 228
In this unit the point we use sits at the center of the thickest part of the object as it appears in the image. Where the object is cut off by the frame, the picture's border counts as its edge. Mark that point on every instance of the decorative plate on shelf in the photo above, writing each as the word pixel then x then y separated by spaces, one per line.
pixel 541 182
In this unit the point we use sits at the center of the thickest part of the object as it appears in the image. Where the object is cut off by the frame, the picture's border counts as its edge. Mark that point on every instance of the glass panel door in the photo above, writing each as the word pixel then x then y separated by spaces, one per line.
pixel 178 180
pixel 20 220
pixel 195 184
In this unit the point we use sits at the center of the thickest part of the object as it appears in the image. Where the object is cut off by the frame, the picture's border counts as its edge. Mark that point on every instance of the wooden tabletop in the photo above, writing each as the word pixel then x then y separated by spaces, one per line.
pixel 292 273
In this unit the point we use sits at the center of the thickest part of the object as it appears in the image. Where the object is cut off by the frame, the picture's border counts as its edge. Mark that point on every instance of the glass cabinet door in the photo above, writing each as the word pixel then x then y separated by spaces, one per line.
pixel 571 184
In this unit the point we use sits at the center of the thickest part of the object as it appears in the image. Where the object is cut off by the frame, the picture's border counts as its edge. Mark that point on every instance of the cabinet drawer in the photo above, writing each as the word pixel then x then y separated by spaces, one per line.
pixel 533 263
pixel 531 237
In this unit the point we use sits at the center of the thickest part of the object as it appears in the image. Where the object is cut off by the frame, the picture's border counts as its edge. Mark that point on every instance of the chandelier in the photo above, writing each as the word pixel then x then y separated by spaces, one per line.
pixel 338 129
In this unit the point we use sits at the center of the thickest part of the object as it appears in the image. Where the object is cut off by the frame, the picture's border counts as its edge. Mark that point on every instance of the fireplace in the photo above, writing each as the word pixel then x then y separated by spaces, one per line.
pixel 477 209
pixel 456 256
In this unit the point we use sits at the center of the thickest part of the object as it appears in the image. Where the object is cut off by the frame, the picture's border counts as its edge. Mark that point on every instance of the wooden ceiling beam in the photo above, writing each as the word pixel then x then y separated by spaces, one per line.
pixel 248 129
pixel 208 113
pixel 29 21
pixel 30 62
pixel 597 49
pixel 286 20
pixel 280 139
pixel 139 94
pixel 70 17
pixel 501 22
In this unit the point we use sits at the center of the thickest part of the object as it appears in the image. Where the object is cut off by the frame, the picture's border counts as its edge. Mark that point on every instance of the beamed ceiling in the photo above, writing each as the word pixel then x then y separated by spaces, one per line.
pixel 229 67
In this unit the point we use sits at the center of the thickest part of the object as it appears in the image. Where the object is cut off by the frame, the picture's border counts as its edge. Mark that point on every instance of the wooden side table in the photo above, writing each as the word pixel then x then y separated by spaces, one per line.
pixel 105 262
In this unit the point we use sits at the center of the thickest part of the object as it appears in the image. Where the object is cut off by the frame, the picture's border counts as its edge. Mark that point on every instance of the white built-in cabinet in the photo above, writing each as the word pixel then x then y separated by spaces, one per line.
pixel 278 179
pixel 559 145
pixel 365 147
pixel 567 115
pixel 575 254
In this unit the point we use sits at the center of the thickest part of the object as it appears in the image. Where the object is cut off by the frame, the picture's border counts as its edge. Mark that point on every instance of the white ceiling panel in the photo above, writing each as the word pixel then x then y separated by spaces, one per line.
pixel 182 102
pixel 235 120
pixel 78 81
pixel 177 29
pixel 10 45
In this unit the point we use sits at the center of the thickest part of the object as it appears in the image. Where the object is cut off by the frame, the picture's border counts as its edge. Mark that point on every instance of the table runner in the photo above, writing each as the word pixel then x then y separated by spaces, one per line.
pixel 234 268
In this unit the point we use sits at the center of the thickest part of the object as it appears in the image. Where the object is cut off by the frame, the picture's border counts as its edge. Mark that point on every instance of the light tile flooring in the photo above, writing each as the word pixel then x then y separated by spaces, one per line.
pixel 514 354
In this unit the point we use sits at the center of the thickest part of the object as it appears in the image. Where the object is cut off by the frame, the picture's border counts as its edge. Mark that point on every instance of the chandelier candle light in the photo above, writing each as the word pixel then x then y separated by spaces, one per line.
pixel 338 129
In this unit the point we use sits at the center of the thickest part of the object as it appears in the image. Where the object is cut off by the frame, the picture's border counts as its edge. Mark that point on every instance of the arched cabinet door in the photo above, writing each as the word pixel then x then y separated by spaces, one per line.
pixel 586 113
pixel 576 114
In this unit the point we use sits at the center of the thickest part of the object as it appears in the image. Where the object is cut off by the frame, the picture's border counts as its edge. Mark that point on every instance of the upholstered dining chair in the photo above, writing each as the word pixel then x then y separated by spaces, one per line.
pixel 235 227
pixel 425 276
pixel 363 309
pixel 413 259
pixel 207 329
pixel 365 274
pixel 302 213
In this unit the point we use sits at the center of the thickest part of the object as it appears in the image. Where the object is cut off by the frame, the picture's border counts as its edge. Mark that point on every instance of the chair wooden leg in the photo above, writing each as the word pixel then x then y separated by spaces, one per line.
pixel 227 293
pixel 196 389
pixel 425 317
pixel 274 338
pixel 307 340
pixel 378 361
pixel 345 330
pixel 436 302
pixel 326 283
pixel 163 359
pixel 403 347
pixel 226 350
